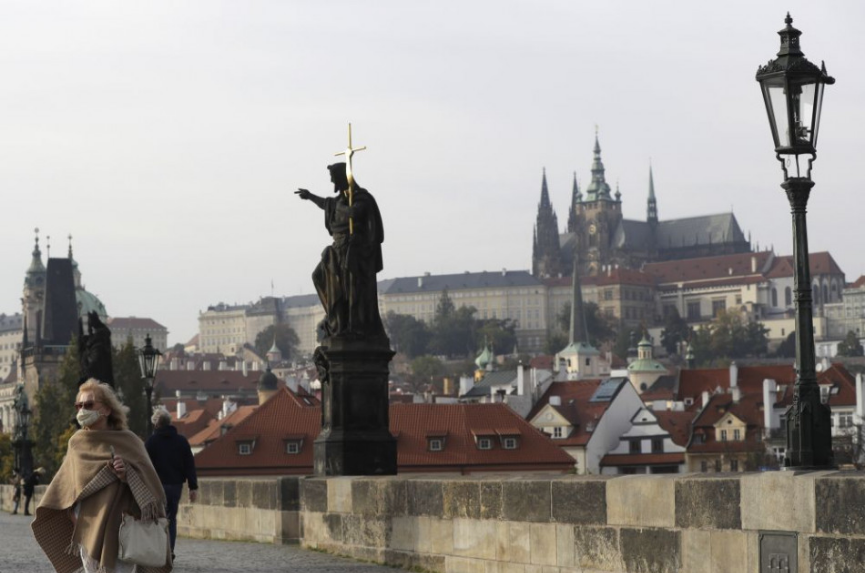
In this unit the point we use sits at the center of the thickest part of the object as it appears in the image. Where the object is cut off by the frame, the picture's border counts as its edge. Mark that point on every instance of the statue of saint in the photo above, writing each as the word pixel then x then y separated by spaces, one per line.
pixel 345 279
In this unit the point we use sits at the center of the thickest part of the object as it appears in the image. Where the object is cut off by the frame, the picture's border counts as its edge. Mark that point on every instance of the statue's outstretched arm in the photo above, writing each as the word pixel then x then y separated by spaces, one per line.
pixel 307 196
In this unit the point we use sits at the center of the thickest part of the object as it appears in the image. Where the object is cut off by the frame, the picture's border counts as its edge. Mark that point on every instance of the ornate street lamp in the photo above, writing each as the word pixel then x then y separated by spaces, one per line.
pixel 793 93
pixel 148 359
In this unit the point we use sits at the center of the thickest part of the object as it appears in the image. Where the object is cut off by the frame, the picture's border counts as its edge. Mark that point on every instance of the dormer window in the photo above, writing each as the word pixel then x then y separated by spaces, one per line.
pixel 436 444
pixel 485 444
pixel 244 448
pixel 558 432
pixel 510 443
pixel 435 440
pixel 293 444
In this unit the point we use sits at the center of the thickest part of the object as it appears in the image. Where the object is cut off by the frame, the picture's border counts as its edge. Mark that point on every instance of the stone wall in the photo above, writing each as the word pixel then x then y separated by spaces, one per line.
pixel 646 524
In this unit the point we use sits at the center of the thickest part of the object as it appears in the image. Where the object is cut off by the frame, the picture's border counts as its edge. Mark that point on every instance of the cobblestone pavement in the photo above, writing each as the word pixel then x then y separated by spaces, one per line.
pixel 19 553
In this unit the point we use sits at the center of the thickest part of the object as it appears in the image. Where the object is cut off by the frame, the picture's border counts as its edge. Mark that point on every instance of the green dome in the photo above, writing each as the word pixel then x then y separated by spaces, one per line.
pixel 89 302
pixel 484 358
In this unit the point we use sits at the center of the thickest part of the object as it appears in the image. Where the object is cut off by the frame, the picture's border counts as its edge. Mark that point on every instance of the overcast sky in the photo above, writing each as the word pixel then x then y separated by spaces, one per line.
pixel 168 137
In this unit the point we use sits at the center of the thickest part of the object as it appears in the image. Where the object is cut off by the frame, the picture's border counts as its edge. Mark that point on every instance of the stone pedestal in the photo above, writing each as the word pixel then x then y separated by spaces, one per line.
pixel 355 439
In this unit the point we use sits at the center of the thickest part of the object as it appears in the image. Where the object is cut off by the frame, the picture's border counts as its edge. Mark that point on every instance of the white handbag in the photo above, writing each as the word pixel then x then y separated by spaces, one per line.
pixel 143 542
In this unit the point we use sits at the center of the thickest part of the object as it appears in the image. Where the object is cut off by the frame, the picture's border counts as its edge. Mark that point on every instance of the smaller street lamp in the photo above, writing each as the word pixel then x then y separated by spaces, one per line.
pixel 148 360
pixel 793 94
pixel 20 441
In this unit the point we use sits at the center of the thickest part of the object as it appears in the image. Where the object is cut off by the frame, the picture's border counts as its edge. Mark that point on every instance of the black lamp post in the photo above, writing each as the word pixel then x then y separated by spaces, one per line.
pixel 148 359
pixel 20 440
pixel 793 93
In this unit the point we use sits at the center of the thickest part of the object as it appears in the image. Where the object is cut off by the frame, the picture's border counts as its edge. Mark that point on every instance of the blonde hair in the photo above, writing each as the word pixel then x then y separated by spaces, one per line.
pixel 106 395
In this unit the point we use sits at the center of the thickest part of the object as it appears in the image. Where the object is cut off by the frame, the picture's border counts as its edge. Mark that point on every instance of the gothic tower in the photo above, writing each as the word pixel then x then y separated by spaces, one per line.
pixel 576 199
pixel 652 207
pixel 546 254
pixel 33 298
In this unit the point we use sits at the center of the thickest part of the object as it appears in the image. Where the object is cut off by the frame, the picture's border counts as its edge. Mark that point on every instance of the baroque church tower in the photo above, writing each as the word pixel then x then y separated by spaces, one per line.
pixel 33 297
pixel 546 253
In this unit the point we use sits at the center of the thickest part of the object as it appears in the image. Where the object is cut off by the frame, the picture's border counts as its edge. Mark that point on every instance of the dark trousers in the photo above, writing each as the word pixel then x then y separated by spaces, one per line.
pixel 172 500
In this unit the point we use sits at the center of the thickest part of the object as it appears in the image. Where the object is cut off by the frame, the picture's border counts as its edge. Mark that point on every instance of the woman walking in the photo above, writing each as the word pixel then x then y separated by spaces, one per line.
pixel 106 473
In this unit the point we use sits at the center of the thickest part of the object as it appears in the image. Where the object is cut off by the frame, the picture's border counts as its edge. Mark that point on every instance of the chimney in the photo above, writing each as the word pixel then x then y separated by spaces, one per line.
pixel 504 272
pixel 181 405
pixel 753 264
pixel 734 375
pixel 244 368
pixel 223 365
pixel 420 282
pixel 705 398
pixel 769 393
pixel 466 384
pixel 521 380
pixel 291 382
pixel 190 365
pixel 860 399
pixel 737 394
pixel 555 400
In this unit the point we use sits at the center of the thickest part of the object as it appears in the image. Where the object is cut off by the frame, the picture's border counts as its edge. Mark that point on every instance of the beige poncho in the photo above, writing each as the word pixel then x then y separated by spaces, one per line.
pixel 85 479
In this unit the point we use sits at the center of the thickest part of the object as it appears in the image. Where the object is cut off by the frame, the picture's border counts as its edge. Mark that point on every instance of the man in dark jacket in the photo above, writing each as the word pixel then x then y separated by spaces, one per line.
pixel 172 458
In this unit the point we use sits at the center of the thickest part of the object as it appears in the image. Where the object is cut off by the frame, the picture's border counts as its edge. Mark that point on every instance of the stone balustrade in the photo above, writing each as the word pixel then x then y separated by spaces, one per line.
pixel 507 524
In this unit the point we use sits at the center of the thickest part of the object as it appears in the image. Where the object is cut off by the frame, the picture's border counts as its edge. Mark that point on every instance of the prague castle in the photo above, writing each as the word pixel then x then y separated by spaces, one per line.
pixel 600 236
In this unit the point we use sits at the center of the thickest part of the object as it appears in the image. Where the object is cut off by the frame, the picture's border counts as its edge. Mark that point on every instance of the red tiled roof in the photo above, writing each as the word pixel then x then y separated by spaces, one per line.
pixel 704 268
pixel 542 362
pixel 843 383
pixel 860 282
pixel 606 278
pixel 211 381
pixel 213 430
pixel 642 459
pixel 132 322
pixel 284 414
pixel 821 263
pixel 677 424
pixel 575 407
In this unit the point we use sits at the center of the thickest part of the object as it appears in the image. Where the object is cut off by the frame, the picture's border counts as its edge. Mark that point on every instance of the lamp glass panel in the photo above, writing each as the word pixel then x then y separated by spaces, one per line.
pixel 818 107
pixel 778 99
pixel 142 364
pixel 802 100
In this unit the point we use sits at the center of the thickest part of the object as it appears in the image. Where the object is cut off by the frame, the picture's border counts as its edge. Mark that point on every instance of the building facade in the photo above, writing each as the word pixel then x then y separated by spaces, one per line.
pixel 137 329
pixel 11 336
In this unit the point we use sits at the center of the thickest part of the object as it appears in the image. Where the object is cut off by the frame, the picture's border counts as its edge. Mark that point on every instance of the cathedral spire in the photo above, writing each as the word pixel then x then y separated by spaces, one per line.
pixel 652 207
pixel 576 198
pixel 545 194
pixel 546 256
pixel 598 188
pixel 579 331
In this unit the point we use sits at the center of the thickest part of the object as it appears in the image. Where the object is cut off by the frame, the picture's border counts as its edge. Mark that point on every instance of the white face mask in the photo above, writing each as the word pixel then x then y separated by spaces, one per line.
pixel 87 417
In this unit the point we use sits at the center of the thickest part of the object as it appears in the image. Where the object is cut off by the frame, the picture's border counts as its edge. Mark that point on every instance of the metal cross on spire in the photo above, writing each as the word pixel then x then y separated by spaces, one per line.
pixel 348 152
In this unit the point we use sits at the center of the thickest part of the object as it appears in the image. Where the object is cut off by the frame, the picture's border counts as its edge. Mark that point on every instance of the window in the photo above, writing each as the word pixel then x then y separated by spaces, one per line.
pixel 437 445
pixel 788 297
pixel 723 435
pixel 509 443
pixel 774 297
pixel 657 445
pixel 485 444
pixel 718 306
pixel 635 447
pixel 718 465
pixel 734 465
pixel 244 449
pixel 292 447
pixel 558 432
pixel 737 435
pixel 704 466
pixel 693 311
pixel 608 294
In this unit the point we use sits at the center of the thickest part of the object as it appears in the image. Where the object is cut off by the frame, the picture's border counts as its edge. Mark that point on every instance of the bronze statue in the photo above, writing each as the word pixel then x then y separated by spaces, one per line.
pixel 345 279
pixel 94 351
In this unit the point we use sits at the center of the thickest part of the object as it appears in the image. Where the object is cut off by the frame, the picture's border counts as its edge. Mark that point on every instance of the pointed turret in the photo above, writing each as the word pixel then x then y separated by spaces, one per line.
pixel 36 266
pixel 576 199
pixel 652 207
pixel 618 193
pixel 546 255
pixel 598 188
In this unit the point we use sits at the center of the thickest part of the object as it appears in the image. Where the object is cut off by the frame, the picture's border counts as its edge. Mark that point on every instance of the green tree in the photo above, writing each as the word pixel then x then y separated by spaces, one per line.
pixel 556 341
pixel 7 457
pixel 787 349
pixel 676 331
pixel 701 345
pixel 425 370
pixel 130 387
pixel 286 340
pixel 54 411
pixel 454 332
pixel 623 341
pixel 445 308
pixel 407 334
pixel 850 346
pixel 500 332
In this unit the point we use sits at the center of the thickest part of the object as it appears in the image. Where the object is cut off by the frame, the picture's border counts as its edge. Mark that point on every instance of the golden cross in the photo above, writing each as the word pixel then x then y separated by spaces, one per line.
pixel 349 153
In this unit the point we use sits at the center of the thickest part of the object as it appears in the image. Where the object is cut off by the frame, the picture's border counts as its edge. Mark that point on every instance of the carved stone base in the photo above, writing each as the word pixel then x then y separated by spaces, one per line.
pixel 355 437
pixel 809 432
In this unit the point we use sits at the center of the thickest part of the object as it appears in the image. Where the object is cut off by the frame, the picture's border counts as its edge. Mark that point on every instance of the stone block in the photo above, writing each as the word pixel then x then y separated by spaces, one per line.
pixel 651 550
pixel 645 500
pixel 333 527
pixel 462 499
pixel 767 496
pixel 512 568
pixel 582 501
pixel 314 494
pixel 839 505
pixel 229 493
pixel 379 497
pixel 464 565
pixel 491 499
pixel 836 555
pixel 366 532
pixel 514 542
pixel 413 561
pixel 597 548
pixel 406 534
pixel 289 526
pixel 289 493
pixel 526 500
pixel 440 534
pixel 424 497
pixel 697 551
pixel 729 551
pixel 708 503
pixel 244 493
pixel 339 494
pixel 543 539
pixel 565 545
pixel 263 494
pixel 474 538
pixel 491 567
